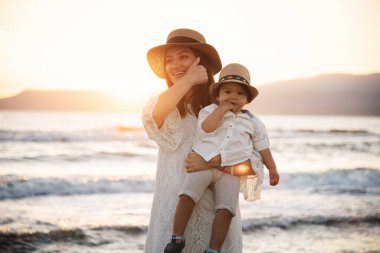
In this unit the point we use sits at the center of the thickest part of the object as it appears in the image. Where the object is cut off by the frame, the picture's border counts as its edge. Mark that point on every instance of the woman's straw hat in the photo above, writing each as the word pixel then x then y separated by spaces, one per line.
pixel 235 73
pixel 182 37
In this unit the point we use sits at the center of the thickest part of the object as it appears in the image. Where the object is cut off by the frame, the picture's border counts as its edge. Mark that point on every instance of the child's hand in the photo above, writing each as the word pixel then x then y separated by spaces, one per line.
pixel 274 177
pixel 226 106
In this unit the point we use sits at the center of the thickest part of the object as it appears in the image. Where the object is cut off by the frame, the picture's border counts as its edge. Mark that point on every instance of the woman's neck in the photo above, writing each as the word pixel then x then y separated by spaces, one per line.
pixel 189 93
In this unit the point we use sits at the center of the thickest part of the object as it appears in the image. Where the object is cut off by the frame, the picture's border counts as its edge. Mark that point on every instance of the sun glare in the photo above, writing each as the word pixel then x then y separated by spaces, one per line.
pixel 242 169
pixel 102 45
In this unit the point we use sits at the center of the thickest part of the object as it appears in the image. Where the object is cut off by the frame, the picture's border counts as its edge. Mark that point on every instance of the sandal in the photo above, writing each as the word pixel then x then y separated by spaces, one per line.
pixel 173 246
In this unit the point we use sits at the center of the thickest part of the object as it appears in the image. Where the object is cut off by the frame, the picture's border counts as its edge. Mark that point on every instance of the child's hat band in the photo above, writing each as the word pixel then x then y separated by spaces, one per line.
pixel 233 77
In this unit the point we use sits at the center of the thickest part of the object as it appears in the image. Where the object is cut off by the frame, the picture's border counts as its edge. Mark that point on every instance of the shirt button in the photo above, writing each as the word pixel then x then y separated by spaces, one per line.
pixel 228 137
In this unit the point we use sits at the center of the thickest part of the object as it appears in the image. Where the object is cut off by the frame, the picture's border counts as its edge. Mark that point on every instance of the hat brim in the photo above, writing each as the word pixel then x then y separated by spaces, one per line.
pixel 252 90
pixel 156 56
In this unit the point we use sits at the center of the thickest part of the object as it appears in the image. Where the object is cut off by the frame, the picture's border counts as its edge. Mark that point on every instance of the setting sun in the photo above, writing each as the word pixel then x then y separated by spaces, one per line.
pixel 99 45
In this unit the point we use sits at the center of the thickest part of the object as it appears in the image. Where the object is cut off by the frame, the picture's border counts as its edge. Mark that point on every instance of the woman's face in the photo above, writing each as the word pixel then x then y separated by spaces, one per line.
pixel 177 62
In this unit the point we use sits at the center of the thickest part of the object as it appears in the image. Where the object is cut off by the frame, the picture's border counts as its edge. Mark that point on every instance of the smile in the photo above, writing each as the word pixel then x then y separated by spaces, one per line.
pixel 179 73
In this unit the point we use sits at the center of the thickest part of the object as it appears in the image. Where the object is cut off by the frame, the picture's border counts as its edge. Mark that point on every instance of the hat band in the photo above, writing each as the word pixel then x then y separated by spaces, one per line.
pixel 181 39
pixel 234 77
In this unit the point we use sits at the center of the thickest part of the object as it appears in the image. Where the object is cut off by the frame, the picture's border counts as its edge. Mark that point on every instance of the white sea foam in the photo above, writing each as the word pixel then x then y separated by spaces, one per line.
pixel 15 187
pixel 116 133
pixel 356 181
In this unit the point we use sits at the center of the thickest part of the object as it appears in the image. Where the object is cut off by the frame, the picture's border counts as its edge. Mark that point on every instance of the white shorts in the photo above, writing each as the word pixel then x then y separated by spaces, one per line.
pixel 226 188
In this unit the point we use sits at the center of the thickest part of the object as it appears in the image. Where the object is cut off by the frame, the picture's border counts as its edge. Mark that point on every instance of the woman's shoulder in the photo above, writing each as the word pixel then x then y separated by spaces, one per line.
pixel 209 108
pixel 152 101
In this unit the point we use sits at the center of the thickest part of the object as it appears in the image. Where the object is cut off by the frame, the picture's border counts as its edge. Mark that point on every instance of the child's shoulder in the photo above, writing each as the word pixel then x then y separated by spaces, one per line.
pixel 252 117
pixel 248 113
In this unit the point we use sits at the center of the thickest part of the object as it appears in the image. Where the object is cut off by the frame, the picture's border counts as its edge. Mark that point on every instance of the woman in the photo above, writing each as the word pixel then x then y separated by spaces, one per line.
pixel 188 64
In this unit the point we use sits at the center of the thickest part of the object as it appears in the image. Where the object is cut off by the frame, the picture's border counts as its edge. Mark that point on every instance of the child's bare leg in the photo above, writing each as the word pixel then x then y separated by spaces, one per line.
pixel 220 228
pixel 182 214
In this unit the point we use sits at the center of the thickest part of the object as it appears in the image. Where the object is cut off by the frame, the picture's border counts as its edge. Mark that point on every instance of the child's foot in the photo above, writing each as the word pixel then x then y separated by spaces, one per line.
pixel 209 250
pixel 176 245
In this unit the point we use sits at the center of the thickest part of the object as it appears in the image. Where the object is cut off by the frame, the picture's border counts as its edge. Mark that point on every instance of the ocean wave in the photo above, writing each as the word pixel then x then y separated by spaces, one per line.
pixel 358 181
pixel 328 131
pixel 336 132
pixel 123 133
pixel 78 157
pixel 15 187
pixel 371 146
pixel 335 181
pixel 125 229
pixel 117 133
pixel 252 225
pixel 84 236
pixel 326 146
pixel 30 241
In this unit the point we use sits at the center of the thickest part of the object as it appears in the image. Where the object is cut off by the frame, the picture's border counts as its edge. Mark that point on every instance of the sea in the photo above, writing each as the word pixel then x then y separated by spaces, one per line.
pixel 84 182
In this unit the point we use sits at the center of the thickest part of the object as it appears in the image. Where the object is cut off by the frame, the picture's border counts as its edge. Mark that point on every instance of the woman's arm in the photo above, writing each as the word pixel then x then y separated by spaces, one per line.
pixel 168 100
pixel 195 162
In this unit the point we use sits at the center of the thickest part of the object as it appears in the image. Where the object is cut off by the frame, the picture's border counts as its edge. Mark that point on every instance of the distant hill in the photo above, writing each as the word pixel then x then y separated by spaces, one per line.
pixel 62 101
pixel 334 94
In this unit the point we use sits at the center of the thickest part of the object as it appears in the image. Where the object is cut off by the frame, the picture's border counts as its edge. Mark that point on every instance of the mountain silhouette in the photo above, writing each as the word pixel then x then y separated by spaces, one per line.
pixel 85 100
pixel 332 94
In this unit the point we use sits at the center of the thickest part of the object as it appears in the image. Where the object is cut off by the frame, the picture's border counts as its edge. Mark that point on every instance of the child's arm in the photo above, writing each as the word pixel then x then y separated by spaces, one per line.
pixel 212 122
pixel 269 163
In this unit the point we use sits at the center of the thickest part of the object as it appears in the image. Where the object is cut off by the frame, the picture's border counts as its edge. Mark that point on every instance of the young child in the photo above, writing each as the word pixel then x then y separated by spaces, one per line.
pixel 236 135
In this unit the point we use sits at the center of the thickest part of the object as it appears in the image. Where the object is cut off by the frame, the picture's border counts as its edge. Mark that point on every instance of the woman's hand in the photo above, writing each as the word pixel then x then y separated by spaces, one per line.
pixel 195 162
pixel 195 74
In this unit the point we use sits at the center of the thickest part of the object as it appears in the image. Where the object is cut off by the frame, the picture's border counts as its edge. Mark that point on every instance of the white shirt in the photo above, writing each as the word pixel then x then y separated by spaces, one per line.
pixel 238 136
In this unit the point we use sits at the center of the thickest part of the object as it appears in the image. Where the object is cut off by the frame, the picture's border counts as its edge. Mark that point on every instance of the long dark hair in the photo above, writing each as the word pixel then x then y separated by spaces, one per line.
pixel 200 96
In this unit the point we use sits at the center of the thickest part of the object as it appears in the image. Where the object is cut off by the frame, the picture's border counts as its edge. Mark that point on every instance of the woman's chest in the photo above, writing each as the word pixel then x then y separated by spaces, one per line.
pixel 189 130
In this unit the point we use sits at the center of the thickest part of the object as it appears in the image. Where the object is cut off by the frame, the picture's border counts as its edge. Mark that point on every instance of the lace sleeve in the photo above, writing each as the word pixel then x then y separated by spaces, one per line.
pixel 251 186
pixel 169 136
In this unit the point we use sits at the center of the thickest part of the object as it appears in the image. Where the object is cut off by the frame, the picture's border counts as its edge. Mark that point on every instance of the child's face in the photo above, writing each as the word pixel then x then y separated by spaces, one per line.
pixel 177 62
pixel 233 93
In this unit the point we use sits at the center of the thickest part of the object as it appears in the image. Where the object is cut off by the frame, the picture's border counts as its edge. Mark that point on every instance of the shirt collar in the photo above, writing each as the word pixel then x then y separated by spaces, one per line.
pixel 243 114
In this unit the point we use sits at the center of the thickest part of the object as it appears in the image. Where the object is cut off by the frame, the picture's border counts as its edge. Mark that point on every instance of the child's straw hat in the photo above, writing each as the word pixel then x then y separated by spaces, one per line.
pixel 235 73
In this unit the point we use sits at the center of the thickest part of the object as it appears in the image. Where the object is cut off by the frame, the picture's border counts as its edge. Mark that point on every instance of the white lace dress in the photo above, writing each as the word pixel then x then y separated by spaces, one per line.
pixel 175 139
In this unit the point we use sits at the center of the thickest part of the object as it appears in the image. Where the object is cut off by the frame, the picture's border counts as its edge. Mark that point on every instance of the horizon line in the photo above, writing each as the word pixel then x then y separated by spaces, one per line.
pixel 262 84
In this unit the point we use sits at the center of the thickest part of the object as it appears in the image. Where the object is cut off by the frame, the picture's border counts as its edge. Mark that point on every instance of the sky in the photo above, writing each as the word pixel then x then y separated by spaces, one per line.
pixel 102 44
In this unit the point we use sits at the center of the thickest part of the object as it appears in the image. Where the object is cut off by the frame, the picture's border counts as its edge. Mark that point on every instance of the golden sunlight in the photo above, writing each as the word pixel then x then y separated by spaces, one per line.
pixel 241 169
pixel 101 45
